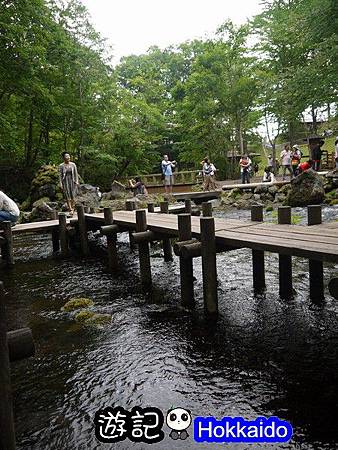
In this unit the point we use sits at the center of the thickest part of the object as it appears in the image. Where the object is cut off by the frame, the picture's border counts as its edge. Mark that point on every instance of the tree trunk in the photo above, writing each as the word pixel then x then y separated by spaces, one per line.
pixel 29 142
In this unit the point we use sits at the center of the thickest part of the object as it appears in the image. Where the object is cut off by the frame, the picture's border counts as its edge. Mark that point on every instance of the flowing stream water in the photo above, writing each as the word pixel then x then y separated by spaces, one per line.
pixel 264 356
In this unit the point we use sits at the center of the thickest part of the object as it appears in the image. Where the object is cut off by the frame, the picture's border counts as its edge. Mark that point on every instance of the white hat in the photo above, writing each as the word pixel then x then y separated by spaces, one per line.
pixel 296 146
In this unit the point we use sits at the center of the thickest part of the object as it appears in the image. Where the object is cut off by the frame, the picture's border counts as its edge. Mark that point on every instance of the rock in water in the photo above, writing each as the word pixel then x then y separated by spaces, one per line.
pixel 306 189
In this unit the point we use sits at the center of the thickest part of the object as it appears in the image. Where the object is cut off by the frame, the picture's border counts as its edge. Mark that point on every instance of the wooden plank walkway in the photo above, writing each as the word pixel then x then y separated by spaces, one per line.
pixel 227 187
pixel 204 195
pixel 318 242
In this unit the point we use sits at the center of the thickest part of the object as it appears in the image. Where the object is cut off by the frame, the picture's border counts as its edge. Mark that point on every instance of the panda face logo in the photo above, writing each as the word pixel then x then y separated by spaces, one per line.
pixel 178 420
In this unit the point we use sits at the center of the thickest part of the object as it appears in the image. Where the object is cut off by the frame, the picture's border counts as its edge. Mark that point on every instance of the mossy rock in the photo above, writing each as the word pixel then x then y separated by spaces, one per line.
pixel 41 201
pixel 334 202
pixel 235 193
pixel 25 205
pixel 84 316
pixel 269 208
pixel 99 319
pixel 77 303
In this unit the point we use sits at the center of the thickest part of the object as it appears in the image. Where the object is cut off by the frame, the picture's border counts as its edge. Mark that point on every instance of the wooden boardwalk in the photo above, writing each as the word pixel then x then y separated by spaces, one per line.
pixel 317 242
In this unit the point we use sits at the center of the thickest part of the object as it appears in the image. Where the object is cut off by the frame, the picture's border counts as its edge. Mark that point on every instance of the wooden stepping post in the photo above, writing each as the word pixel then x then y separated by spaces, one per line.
pixel 167 250
pixel 209 269
pixel 111 241
pixel 63 234
pixel 258 269
pixel 55 235
pixel 7 435
pixel 20 344
pixel 7 248
pixel 207 209
pixel 187 204
pixel 186 264
pixel 316 270
pixel 285 261
pixel 151 207
pixel 81 220
pixel 130 206
pixel 143 250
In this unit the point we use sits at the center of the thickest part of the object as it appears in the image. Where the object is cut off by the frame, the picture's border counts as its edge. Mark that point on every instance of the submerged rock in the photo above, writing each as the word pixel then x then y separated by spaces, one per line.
pixel 306 189
pixel 77 303
pixel 84 316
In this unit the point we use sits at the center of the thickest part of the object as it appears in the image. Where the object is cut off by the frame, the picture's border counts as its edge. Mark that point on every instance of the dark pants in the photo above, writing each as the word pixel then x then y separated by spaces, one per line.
pixel 245 176
pixel 316 164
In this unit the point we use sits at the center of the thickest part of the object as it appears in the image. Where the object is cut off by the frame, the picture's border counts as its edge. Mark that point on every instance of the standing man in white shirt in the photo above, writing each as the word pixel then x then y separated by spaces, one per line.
pixel 167 171
pixel 9 210
pixel 285 157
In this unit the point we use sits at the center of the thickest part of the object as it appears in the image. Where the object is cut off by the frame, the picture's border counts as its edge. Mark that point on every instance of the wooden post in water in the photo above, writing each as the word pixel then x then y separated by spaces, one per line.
pixel 186 264
pixel 151 207
pixel 81 220
pixel 55 236
pixel 111 241
pixel 258 269
pixel 7 248
pixel 187 204
pixel 285 261
pixel 63 234
pixel 209 269
pixel 316 270
pixel 207 209
pixel 167 250
pixel 7 435
pixel 143 250
pixel 130 206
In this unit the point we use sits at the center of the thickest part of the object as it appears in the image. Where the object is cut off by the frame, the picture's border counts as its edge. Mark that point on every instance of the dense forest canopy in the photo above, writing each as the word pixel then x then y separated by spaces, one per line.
pixel 60 92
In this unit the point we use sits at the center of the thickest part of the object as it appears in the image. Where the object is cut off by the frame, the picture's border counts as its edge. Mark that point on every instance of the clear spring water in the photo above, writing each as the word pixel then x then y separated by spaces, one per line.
pixel 265 356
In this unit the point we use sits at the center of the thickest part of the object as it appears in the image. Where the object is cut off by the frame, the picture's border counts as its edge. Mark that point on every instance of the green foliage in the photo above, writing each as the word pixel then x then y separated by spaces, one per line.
pixel 59 91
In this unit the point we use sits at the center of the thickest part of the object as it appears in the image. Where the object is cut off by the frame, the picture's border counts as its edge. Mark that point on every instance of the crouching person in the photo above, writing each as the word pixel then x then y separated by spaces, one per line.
pixel 9 210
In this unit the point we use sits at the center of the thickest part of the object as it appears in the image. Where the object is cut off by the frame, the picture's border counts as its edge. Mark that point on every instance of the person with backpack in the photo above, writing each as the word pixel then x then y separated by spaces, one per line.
pixel 208 170
pixel 167 172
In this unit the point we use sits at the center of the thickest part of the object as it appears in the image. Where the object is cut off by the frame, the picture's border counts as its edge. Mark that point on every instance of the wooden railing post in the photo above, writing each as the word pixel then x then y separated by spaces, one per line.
pixel 209 268
pixel 186 264
pixel 7 435
pixel 258 269
pixel 130 206
pixel 7 248
pixel 207 209
pixel 316 270
pixel 151 207
pixel 143 250
pixel 81 220
pixel 187 204
pixel 167 250
pixel 63 234
pixel 285 261
pixel 111 241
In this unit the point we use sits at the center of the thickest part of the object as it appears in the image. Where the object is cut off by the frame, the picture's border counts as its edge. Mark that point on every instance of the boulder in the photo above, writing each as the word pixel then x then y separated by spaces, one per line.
pixel 306 189
pixel 273 190
pixel 261 189
pixel 47 190
pixel 88 195
pixel 284 189
pixel 41 212
pixel 117 189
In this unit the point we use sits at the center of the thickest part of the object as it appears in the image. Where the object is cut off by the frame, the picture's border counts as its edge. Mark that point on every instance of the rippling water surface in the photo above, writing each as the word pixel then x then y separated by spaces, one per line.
pixel 265 356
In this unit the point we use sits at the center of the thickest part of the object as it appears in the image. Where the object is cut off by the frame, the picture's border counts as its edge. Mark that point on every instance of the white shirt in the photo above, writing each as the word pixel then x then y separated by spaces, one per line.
pixel 7 204
pixel 286 158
